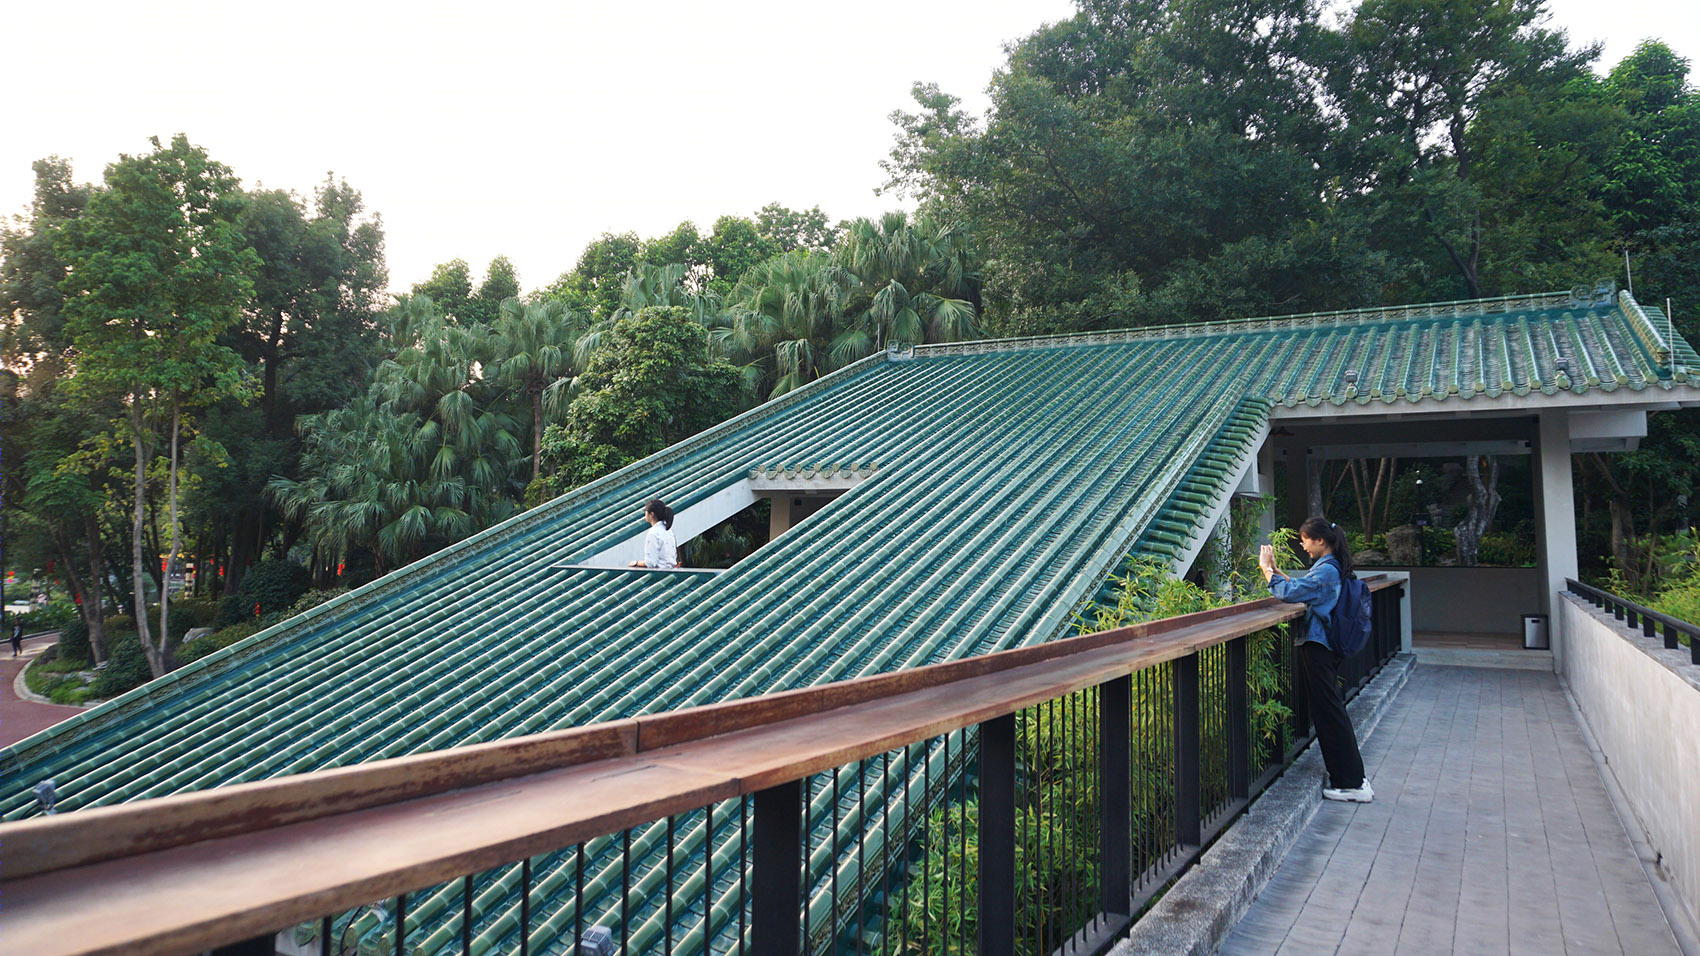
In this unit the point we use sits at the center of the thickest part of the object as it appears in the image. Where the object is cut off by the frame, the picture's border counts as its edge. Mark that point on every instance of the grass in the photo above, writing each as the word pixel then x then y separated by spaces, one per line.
pixel 63 682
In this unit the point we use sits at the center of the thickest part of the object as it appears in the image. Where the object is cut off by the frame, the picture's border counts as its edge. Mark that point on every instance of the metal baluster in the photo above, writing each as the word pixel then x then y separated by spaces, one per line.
pixel 1115 811
pixel 778 883
pixel 667 943
pixel 524 907
pixel 400 924
pixel 466 915
pixel 997 836
pixel 1188 825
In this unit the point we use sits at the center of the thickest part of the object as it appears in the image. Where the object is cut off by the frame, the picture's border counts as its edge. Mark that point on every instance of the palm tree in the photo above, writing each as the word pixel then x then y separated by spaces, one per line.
pixel 534 354
pixel 789 315
pixel 920 282
pixel 425 458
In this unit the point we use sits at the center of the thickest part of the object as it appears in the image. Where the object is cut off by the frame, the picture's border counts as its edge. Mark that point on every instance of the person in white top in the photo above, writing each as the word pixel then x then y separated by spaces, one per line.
pixel 659 549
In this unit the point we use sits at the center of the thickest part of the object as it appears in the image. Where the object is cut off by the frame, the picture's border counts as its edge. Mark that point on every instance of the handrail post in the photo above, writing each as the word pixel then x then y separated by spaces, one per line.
pixel 1239 720
pixel 997 837
pixel 1189 816
pixel 776 890
pixel 1115 775
pixel 1296 671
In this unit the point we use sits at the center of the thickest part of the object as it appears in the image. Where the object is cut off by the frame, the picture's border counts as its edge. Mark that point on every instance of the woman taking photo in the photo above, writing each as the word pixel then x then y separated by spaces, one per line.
pixel 660 551
pixel 1319 591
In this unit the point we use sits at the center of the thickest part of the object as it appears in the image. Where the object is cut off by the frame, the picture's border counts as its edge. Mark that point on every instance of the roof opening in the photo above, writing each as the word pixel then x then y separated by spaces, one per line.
pixel 732 524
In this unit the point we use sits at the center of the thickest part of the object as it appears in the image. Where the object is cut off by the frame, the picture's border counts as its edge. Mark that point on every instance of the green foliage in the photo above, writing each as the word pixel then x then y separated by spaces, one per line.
pixel 311 599
pixel 224 637
pixel 55 614
pixel 653 382
pixel 428 456
pixel 273 586
pixel 63 681
pixel 1056 757
pixel 73 643
pixel 1507 549
pixel 126 666
pixel 194 612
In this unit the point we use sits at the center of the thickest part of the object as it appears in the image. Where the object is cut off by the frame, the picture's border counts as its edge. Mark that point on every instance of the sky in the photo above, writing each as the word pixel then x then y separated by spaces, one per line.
pixel 528 130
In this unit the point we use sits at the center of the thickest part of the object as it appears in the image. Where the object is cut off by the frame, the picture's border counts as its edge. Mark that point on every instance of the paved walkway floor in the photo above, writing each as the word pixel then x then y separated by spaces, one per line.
pixel 1491 832
pixel 19 718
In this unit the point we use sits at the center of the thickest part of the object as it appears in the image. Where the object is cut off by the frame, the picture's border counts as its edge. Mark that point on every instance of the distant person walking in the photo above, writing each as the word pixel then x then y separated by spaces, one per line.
pixel 660 550
pixel 17 636
pixel 1319 592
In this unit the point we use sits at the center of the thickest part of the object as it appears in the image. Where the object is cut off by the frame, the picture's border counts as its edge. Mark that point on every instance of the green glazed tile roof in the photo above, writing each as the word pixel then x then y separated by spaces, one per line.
pixel 1008 479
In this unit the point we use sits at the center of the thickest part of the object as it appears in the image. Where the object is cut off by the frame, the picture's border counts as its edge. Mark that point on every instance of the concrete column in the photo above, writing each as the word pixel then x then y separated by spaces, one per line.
pixel 779 518
pixel 1266 523
pixel 1555 504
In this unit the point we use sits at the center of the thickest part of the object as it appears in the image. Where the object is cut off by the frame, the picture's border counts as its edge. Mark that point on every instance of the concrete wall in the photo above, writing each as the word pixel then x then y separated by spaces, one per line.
pixel 1471 600
pixel 1642 703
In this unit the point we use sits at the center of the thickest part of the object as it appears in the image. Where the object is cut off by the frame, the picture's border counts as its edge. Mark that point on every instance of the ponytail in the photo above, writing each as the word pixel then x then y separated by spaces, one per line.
pixel 662 513
pixel 1321 529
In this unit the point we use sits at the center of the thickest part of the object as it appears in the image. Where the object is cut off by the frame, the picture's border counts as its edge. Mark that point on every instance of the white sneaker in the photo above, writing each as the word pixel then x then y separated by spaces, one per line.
pixel 1363 794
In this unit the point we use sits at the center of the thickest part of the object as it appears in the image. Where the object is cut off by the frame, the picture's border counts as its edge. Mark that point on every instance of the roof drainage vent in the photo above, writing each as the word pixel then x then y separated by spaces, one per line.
pixel 596 941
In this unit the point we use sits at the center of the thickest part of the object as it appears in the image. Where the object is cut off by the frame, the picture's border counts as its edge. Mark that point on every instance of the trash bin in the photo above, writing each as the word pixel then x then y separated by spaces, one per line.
pixel 1535 632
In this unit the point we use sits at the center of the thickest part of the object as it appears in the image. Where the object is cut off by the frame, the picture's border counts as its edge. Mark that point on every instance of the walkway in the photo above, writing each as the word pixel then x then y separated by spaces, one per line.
pixel 1491 832
pixel 20 718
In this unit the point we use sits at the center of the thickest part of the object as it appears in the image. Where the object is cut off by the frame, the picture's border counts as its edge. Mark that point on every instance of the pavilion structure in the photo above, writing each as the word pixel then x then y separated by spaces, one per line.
pixel 930 503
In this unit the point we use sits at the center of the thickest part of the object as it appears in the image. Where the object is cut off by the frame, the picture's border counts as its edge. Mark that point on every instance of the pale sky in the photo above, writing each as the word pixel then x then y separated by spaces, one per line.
pixel 527 129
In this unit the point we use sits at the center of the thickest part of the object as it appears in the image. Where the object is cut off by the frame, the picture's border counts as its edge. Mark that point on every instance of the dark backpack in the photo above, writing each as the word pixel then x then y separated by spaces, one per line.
pixel 1348 623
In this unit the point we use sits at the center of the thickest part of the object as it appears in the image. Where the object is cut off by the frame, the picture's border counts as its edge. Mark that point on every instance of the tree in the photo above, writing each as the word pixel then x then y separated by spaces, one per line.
pixel 158 271
pixel 1425 88
pixel 500 283
pixel 311 331
pixel 592 286
pixel 428 456
pixel 450 288
pixel 919 281
pixel 535 345
pixel 1129 147
pixel 654 382
pixel 735 246
pixel 790 230
pixel 788 312
pixel 31 271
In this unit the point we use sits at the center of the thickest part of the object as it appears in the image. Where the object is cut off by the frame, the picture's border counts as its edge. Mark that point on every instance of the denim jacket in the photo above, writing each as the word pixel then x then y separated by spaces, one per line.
pixel 1318 590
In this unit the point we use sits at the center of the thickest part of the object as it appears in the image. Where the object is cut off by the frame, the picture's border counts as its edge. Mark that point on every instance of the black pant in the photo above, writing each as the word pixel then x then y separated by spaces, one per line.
pixel 1328 713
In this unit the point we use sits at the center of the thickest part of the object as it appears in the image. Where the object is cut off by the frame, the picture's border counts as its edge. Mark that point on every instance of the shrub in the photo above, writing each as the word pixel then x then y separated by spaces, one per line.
pixel 202 646
pixel 1506 549
pixel 54 615
pixel 195 612
pixel 1680 595
pixel 231 611
pixel 126 667
pixel 273 586
pixel 312 599
pixel 74 643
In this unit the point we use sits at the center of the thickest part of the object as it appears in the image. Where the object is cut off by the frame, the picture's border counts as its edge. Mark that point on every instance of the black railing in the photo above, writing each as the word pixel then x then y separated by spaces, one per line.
pixel 1049 799
pixel 1651 623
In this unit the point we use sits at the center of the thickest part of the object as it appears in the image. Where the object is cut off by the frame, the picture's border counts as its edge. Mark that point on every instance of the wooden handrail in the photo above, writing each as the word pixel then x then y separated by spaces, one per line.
pixel 253 858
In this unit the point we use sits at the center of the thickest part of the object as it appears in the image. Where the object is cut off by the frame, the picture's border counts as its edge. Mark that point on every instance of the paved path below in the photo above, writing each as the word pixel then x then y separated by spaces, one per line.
pixel 20 718
pixel 1491 832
